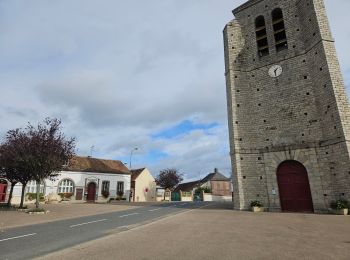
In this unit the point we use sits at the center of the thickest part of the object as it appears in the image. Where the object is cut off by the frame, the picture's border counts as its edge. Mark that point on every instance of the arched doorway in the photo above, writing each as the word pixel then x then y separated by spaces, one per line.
pixel 91 191
pixel 294 187
pixel 3 189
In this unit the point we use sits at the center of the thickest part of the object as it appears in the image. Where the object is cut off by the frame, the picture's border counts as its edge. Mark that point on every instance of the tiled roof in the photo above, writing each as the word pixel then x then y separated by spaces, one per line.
pixel 88 164
pixel 135 173
pixel 188 186
pixel 215 176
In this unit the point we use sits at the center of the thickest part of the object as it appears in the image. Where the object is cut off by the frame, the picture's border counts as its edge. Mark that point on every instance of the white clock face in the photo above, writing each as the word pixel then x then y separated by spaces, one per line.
pixel 275 71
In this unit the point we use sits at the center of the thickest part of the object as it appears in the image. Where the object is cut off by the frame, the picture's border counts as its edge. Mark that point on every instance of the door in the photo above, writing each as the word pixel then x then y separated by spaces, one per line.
pixel 175 196
pixel 91 191
pixel 3 189
pixel 78 194
pixel 294 187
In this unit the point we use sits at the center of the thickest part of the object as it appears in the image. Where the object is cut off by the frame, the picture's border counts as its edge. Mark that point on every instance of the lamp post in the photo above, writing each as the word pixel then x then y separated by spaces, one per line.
pixel 135 149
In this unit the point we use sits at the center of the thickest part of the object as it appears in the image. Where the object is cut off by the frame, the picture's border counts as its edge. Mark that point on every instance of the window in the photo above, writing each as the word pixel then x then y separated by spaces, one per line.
pixel 66 186
pixel 261 36
pixel 120 186
pixel 105 186
pixel 31 187
pixel 279 30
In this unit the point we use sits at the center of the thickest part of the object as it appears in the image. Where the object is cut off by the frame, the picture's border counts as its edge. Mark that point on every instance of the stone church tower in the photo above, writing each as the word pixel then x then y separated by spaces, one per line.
pixel 289 117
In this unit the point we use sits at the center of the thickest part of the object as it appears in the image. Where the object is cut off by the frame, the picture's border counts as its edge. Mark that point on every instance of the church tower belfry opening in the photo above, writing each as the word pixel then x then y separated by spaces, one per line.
pixel 286 102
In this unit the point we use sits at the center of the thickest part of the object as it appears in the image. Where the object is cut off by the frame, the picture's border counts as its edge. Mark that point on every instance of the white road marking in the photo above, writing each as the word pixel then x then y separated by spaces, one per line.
pixel 127 215
pixel 81 224
pixel 154 209
pixel 10 238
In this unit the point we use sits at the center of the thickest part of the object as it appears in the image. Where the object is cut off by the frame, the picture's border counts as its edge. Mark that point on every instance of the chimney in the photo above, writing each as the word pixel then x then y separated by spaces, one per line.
pixel 215 170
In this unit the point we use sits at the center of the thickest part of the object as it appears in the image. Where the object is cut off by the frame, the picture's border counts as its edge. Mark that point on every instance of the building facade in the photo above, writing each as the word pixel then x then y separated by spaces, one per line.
pixel 83 179
pixel 143 186
pixel 218 185
pixel 288 111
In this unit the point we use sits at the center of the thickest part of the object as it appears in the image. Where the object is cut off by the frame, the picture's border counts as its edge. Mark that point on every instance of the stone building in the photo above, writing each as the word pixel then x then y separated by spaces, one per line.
pixel 287 107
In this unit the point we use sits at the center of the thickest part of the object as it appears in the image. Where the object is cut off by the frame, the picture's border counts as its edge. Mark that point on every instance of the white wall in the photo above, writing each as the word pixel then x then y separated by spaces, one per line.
pixel 80 179
pixel 209 197
pixel 143 182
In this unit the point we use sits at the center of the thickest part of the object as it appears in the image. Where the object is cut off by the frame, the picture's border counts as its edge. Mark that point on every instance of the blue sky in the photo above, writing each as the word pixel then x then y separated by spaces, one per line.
pixel 125 74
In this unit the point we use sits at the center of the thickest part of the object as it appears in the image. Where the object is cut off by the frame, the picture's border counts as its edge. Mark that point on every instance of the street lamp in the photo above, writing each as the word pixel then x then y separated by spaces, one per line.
pixel 135 149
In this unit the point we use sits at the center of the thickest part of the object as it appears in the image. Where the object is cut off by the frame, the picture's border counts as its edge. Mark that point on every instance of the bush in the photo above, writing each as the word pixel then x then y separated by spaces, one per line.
pixel 105 194
pixel 340 204
pixel 32 196
pixel 66 195
pixel 120 194
pixel 256 203
pixel 200 189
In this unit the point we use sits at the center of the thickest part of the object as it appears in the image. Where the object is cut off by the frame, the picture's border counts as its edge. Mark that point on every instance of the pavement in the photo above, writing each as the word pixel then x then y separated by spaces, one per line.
pixel 218 232
pixel 60 211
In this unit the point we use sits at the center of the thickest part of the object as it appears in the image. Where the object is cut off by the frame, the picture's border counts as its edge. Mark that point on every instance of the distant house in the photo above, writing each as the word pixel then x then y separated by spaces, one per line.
pixel 143 185
pixel 218 184
pixel 83 179
pixel 188 186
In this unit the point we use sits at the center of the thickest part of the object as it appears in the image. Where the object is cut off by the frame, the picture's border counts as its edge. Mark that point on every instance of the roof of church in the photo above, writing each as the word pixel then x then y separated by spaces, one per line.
pixel 245 5
pixel 136 173
pixel 89 164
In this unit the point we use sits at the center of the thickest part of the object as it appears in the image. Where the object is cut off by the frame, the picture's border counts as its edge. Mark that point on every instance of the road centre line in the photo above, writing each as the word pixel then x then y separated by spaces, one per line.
pixel 154 209
pixel 81 224
pixel 127 215
pixel 10 238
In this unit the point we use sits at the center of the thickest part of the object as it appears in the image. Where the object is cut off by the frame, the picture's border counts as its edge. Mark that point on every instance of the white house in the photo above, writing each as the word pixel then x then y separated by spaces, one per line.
pixel 143 185
pixel 83 179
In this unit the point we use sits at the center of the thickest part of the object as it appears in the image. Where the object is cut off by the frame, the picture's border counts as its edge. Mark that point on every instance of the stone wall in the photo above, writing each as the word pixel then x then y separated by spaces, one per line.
pixel 302 115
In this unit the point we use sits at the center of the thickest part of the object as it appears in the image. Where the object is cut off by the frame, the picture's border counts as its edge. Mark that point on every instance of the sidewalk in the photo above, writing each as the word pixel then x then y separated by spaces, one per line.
pixel 9 219
pixel 207 234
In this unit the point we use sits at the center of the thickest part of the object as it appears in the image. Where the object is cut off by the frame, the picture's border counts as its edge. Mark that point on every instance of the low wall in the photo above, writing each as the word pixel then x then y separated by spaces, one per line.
pixel 210 197
pixel 186 199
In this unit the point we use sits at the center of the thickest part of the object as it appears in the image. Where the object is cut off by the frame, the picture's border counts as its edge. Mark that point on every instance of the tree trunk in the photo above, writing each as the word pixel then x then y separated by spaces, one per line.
pixel 37 194
pixel 11 193
pixel 22 194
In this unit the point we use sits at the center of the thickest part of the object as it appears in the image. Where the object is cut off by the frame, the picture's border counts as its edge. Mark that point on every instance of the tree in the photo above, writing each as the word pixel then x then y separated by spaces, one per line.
pixel 168 178
pixel 37 153
pixel 16 159
pixel 7 170
pixel 50 151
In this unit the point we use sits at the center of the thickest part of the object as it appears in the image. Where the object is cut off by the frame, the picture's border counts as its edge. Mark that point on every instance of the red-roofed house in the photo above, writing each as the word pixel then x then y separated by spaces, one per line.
pixel 83 179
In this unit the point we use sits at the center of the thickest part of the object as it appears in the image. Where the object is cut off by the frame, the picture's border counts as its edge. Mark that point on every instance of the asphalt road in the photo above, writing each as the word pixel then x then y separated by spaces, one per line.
pixel 37 240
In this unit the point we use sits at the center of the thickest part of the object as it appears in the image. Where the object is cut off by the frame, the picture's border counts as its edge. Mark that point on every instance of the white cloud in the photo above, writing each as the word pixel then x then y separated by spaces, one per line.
pixel 117 72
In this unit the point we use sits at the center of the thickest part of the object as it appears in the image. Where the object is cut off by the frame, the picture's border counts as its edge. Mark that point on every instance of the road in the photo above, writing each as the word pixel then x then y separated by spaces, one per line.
pixel 38 240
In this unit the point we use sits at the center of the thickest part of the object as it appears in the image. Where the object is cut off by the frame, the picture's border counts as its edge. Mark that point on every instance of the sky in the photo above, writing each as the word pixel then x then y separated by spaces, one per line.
pixel 129 74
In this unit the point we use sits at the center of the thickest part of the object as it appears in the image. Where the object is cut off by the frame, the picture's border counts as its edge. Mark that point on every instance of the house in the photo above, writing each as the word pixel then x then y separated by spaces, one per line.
pixel 143 185
pixel 83 179
pixel 185 191
pixel 218 185
pixel 163 194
